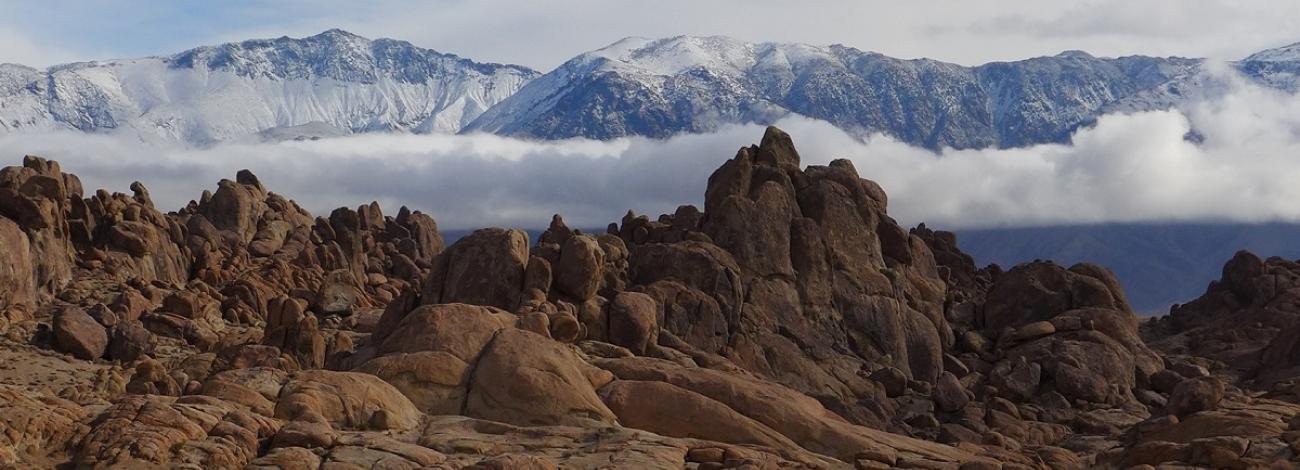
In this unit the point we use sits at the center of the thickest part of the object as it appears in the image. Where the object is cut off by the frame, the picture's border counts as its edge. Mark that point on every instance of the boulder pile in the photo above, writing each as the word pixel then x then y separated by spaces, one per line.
pixel 790 323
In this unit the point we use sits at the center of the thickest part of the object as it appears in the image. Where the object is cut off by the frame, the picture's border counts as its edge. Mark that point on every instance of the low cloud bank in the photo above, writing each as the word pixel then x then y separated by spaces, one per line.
pixel 1141 167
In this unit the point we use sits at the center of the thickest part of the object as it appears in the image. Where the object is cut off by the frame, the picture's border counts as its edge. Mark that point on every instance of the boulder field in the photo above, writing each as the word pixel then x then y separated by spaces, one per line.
pixel 789 323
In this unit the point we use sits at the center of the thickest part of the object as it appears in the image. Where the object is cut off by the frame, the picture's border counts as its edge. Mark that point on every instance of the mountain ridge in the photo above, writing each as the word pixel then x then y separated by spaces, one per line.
pixel 233 91
pixel 697 83
pixel 336 83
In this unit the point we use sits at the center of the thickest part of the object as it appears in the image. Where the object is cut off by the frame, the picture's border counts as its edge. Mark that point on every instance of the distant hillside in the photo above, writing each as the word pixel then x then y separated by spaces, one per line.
pixel 1159 264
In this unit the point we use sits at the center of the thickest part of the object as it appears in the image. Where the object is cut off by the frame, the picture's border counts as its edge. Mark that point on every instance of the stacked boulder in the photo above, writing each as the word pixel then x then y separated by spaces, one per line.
pixel 791 323
pixel 1245 321
pixel 17 275
pixel 38 197
pixel 795 274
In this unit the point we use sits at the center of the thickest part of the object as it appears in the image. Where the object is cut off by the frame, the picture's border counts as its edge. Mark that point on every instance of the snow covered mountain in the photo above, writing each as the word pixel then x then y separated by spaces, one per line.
pixel 336 83
pixel 1279 68
pixel 328 84
pixel 658 87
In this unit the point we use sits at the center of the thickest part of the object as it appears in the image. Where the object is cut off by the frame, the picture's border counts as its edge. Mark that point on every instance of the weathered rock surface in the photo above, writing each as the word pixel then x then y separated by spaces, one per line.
pixel 33 425
pixel 791 323
pixel 632 322
pixel 347 400
pixel 797 417
pixel 78 334
pixel 150 430
pixel 523 378
pixel 667 409
pixel 484 268
pixel 17 275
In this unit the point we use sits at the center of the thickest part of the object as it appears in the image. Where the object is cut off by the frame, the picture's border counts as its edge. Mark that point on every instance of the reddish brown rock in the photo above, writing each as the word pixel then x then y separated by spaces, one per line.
pixel 129 341
pixel 484 268
pixel 144 430
pixel 151 378
pixel 294 332
pixel 790 323
pixel 34 425
pixel 796 416
pixel 17 275
pixel 512 462
pixel 78 334
pixel 458 329
pixel 38 197
pixel 669 410
pixel 580 269
pixel 1041 290
pixel 632 322
pixel 526 379
pixel 434 381
pixel 949 394
pixel 286 458
pixel 347 400
pixel 1196 394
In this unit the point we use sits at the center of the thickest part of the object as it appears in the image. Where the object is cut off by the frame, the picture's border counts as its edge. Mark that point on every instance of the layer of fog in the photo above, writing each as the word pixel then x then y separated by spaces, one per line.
pixel 1127 168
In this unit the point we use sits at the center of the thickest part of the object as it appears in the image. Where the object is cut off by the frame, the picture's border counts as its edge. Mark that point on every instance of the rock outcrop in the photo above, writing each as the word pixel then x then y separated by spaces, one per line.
pixel 1246 320
pixel 791 323
pixel 17 274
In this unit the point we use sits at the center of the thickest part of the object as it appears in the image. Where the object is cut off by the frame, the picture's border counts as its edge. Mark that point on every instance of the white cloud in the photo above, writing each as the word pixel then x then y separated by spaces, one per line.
pixel 19 49
pixel 1127 168
pixel 464 181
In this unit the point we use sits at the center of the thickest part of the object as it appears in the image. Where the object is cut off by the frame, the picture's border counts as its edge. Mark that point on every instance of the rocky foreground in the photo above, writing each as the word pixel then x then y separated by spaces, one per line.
pixel 790 324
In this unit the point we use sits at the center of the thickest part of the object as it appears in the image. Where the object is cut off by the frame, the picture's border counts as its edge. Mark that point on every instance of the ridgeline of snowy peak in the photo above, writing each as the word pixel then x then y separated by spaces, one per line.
pixel 659 87
pixel 337 83
pixel 331 83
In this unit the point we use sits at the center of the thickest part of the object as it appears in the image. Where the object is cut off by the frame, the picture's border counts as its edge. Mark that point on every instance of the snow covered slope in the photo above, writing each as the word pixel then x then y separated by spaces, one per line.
pixel 267 87
pixel 658 87
pixel 1278 68
pixel 337 83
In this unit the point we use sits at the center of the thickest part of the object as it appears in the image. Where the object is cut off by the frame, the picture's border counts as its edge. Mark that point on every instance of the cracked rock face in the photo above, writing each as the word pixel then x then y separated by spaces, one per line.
pixel 790 324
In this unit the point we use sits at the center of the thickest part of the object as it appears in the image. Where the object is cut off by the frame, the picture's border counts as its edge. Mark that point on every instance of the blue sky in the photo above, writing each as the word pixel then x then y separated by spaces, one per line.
pixel 541 34
pixel 136 28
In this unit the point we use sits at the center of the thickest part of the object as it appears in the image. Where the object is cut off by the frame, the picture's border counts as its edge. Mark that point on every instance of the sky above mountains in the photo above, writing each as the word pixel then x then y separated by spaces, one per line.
pixel 543 34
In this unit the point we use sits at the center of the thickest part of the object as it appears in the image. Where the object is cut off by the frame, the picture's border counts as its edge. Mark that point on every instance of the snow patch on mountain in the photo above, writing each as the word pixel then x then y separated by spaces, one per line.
pixel 1288 53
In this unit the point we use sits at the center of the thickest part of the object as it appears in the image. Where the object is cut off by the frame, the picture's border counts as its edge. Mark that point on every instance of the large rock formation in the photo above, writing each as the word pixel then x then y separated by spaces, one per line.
pixel 17 274
pixel 790 324
pixel 1246 320
pixel 40 198
pixel 1232 371
pixel 797 275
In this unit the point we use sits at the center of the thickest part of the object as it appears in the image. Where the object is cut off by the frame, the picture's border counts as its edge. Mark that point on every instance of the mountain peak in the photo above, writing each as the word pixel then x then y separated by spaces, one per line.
pixel 1287 53
pixel 336 32
pixel 677 54
pixel 333 53
pixel 292 86
pixel 336 35
pixel 662 56
pixel 1075 54
pixel 660 87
